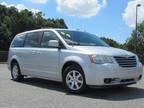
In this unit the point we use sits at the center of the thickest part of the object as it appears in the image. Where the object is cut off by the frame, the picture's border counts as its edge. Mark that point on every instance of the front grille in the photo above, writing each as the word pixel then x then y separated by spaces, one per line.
pixel 126 62
pixel 127 80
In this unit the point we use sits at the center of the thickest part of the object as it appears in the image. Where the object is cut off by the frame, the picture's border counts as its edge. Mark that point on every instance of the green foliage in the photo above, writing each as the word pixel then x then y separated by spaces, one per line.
pixel 111 42
pixel 136 44
pixel 13 22
pixel 133 44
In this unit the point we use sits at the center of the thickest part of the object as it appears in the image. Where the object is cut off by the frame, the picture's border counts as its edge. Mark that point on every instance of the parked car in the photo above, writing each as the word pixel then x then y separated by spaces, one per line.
pixel 76 58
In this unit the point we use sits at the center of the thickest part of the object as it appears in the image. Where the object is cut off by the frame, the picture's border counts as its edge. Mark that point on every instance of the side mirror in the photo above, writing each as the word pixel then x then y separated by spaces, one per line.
pixel 53 43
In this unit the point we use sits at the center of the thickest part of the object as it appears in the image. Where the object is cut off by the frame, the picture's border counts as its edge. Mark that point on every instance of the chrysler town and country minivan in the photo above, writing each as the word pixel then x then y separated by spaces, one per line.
pixel 76 58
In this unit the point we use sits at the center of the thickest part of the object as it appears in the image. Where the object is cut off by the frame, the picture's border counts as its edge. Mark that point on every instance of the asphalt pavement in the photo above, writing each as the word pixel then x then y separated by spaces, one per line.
pixel 38 93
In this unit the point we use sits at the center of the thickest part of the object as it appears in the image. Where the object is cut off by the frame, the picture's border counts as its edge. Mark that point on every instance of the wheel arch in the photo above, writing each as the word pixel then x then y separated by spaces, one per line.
pixel 69 63
pixel 13 59
pixel 81 61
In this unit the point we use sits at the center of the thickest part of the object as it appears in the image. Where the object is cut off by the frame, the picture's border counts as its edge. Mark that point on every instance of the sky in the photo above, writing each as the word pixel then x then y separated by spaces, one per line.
pixel 114 19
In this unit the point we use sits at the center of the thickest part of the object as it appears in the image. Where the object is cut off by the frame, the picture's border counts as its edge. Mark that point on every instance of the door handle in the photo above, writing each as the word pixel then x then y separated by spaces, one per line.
pixel 38 52
pixel 33 52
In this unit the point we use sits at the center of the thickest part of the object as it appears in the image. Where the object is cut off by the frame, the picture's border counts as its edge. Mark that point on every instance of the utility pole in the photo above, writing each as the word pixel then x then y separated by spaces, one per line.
pixel 138 5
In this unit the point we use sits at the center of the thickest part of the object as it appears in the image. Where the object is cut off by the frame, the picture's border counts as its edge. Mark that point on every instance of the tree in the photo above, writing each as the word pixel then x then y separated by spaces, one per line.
pixel 136 44
pixel 111 42
pixel 13 22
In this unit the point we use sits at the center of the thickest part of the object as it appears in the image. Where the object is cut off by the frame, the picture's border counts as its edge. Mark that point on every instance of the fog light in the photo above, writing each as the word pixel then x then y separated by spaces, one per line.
pixel 139 78
pixel 107 80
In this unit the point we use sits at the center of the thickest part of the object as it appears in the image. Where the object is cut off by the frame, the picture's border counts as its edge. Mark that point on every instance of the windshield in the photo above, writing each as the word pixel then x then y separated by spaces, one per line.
pixel 81 38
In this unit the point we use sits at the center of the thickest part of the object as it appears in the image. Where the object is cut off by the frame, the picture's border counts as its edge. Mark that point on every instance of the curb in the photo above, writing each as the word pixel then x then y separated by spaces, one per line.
pixel 3 62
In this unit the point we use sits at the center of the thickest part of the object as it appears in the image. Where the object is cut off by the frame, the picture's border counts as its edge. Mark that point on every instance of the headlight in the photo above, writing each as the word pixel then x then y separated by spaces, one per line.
pixel 137 58
pixel 101 59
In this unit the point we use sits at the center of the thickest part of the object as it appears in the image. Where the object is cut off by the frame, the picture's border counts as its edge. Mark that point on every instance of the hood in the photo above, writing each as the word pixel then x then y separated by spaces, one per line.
pixel 104 50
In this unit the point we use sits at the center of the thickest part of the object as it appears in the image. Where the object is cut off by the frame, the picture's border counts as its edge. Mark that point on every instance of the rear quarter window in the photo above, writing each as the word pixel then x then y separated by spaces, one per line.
pixel 18 41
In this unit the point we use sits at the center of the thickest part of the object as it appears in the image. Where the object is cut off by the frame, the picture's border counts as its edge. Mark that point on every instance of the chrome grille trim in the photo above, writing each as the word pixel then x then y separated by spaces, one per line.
pixel 126 61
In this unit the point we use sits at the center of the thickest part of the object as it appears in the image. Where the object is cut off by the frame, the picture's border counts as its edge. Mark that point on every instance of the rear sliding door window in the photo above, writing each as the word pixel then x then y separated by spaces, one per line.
pixel 33 39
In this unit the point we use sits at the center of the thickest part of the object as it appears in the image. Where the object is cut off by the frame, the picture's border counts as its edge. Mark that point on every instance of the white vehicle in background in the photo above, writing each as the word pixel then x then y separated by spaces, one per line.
pixel 78 59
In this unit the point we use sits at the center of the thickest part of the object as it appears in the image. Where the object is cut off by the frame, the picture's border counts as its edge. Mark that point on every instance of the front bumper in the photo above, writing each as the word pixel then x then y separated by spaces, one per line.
pixel 111 86
pixel 97 74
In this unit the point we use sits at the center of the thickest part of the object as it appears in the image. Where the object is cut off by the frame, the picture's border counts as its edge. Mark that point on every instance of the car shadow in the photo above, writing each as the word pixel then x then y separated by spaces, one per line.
pixel 45 84
pixel 110 94
pixel 115 94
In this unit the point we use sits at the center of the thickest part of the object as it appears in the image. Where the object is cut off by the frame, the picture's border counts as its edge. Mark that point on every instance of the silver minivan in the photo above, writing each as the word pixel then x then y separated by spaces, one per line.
pixel 76 58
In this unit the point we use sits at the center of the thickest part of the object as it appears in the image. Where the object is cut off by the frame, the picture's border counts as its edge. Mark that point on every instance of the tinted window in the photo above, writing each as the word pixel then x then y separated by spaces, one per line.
pixel 47 36
pixel 18 41
pixel 81 38
pixel 33 39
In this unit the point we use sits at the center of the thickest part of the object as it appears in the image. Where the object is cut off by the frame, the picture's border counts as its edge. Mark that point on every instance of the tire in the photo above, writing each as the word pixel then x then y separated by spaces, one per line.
pixel 74 79
pixel 16 72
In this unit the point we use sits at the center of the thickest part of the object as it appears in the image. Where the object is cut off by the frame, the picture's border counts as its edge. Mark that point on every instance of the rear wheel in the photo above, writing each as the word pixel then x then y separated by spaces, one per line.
pixel 15 72
pixel 73 79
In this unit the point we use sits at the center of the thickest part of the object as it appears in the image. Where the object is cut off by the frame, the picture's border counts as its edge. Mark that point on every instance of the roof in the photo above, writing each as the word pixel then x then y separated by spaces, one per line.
pixel 51 29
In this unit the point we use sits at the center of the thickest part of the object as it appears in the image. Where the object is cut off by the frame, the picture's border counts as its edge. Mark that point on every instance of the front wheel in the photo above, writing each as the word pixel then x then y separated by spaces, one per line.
pixel 73 79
